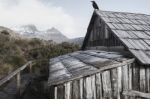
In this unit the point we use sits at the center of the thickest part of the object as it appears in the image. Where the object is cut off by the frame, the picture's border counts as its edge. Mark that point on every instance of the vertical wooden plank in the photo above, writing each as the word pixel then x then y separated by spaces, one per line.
pixel 60 92
pixel 130 76
pixel 142 79
pixel 68 90
pixel 114 82
pixel 125 77
pixel 81 88
pixel 84 88
pixel 30 67
pixel 75 89
pixel 93 87
pixel 18 83
pixel 52 92
pixel 99 94
pixel 125 84
pixel 148 80
pixel 55 94
pixel 106 84
pixel 119 71
pixel 136 76
pixel 87 88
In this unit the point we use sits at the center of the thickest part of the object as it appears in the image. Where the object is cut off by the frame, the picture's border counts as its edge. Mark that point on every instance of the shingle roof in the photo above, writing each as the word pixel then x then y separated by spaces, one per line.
pixel 80 63
pixel 133 30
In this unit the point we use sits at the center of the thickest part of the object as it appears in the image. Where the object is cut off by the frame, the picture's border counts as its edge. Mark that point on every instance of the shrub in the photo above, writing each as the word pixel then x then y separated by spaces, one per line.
pixel 5 32
pixel 16 61
pixel 5 69
pixel 15 53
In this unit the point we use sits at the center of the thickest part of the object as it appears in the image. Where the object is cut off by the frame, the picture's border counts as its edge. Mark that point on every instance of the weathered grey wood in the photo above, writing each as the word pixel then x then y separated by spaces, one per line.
pixel 60 92
pixel 148 79
pixel 99 94
pixel 133 93
pixel 142 79
pixel 136 75
pixel 99 35
pixel 125 79
pixel 130 75
pixel 68 90
pixel 55 90
pixel 141 55
pixel 52 93
pixel 114 82
pixel 130 78
pixel 76 89
pixel 81 88
pixel 11 75
pixel 89 30
pixel 111 30
pixel 106 84
pixel 84 87
pixel 88 88
pixel 107 48
pixel 93 87
pixel 119 81
pixel 126 62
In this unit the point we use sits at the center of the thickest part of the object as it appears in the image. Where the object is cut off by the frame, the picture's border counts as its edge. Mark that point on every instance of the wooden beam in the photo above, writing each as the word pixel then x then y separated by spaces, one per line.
pixel 133 93
pixel 11 75
pixel 52 92
pixel 30 67
pixel 18 82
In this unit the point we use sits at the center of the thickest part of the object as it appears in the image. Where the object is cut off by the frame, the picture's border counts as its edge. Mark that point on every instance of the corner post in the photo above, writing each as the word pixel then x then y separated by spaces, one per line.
pixel 30 67
pixel 18 82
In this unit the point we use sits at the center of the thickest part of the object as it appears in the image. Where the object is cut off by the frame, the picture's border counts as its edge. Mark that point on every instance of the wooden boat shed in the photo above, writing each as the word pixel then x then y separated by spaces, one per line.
pixel 113 64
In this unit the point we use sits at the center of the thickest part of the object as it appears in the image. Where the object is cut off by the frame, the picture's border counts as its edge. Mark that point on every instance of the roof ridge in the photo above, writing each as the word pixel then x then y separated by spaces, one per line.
pixel 137 13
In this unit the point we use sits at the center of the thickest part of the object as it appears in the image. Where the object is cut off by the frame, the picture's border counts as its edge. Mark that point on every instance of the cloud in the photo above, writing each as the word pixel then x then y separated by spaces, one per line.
pixel 21 12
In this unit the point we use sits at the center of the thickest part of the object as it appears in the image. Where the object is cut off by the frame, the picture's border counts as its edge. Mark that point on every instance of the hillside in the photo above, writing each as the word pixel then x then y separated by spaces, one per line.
pixel 78 41
pixel 31 31
pixel 53 34
pixel 11 33
pixel 15 52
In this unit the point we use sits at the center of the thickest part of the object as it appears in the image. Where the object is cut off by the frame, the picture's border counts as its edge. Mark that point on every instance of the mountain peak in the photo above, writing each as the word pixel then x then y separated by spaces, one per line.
pixel 30 28
pixel 53 30
pixel 30 31
pixel 55 35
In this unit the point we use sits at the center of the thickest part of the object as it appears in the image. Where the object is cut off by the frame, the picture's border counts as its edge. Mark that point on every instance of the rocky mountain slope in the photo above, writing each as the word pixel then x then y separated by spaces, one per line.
pixel 30 31
pixel 11 33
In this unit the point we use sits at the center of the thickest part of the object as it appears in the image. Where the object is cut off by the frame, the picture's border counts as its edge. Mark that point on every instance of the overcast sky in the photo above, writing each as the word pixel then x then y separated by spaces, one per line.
pixel 71 17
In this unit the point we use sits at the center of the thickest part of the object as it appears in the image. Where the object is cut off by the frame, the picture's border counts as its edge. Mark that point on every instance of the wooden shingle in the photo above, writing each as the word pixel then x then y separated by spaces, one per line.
pixel 80 63
pixel 132 29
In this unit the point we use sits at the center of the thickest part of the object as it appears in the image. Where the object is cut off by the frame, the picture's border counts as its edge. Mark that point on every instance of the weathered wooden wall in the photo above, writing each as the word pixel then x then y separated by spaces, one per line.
pixel 108 84
pixel 101 35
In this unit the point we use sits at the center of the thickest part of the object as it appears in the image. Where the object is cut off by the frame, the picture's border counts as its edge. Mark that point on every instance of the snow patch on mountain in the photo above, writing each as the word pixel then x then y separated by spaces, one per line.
pixel 30 31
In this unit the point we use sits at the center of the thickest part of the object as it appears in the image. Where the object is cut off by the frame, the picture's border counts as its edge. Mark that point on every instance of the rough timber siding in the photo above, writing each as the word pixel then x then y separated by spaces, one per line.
pixel 108 84
pixel 101 35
